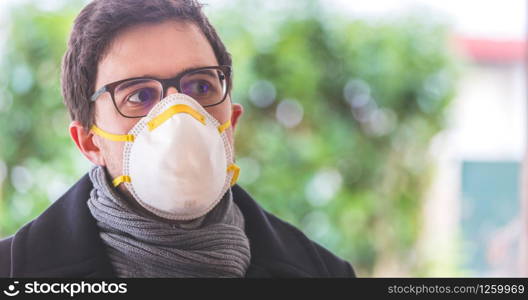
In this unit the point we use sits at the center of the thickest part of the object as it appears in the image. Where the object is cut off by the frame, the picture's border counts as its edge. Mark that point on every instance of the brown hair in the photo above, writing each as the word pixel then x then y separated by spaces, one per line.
pixel 96 26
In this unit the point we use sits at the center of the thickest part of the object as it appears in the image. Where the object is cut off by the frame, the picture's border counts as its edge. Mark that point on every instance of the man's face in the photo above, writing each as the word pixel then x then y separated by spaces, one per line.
pixel 158 50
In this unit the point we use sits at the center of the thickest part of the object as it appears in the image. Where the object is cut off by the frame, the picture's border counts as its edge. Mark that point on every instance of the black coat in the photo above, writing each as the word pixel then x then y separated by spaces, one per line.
pixel 64 242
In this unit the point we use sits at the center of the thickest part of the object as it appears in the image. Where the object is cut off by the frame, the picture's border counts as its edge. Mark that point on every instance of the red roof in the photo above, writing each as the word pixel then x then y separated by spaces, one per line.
pixel 488 50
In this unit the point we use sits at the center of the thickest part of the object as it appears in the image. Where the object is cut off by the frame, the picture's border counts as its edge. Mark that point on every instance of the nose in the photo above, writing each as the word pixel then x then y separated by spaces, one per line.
pixel 171 90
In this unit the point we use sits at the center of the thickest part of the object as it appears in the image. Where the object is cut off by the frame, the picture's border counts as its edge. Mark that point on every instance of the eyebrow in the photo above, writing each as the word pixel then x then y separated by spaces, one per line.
pixel 182 71
pixel 208 72
pixel 127 84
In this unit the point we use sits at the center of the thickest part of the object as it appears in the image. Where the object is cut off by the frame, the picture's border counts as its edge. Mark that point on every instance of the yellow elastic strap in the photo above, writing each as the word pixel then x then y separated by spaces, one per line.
pixel 118 180
pixel 224 126
pixel 111 136
pixel 236 171
pixel 171 111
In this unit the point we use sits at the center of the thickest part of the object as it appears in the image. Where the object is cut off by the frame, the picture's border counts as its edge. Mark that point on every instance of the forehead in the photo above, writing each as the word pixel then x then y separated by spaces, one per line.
pixel 159 50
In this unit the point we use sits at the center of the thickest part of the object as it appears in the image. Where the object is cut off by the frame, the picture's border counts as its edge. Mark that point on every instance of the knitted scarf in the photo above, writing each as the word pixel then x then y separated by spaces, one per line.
pixel 214 245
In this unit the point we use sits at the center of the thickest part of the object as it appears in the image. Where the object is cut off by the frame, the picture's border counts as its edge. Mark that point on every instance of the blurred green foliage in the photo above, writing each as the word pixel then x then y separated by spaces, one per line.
pixel 37 158
pixel 339 116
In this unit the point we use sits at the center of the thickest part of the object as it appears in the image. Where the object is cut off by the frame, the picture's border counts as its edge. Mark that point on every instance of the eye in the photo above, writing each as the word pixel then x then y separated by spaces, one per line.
pixel 144 95
pixel 198 88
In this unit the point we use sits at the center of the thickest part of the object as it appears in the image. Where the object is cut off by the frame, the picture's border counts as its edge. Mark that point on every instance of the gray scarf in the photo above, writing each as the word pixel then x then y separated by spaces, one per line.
pixel 214 245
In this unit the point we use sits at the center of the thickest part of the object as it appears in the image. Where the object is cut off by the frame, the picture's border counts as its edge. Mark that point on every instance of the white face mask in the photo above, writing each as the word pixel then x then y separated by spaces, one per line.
pixel 177 160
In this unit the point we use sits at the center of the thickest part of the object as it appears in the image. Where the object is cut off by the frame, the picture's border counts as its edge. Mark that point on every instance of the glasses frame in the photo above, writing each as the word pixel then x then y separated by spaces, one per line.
pixel 165 84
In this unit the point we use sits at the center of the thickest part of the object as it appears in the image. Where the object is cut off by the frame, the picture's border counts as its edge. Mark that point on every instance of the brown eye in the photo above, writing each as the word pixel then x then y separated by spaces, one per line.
pixel 136 97
pixel 197 88
pixel 144 96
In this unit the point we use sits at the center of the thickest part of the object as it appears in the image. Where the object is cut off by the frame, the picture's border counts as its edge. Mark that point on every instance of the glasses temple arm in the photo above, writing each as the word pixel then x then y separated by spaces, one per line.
pixel 98 93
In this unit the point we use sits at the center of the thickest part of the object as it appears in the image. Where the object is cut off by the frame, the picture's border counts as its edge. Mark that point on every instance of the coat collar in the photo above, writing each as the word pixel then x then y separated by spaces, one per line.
pixel 64 241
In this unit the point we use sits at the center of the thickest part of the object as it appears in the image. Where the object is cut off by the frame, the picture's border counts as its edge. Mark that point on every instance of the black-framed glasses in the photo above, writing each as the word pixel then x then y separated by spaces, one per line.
pixel 135 97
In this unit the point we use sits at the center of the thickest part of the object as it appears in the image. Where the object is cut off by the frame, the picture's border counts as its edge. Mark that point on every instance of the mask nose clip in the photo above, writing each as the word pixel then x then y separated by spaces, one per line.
pixel 171 111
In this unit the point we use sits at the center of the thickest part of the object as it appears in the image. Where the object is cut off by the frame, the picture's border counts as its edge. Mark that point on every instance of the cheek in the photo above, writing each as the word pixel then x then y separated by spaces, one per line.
pixel 109 119
pixel 104 109
pixel 221 112
pixel 113 156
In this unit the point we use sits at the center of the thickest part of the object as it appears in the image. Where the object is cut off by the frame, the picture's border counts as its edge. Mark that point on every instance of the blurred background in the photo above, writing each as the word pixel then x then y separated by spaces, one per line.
pixel 391 132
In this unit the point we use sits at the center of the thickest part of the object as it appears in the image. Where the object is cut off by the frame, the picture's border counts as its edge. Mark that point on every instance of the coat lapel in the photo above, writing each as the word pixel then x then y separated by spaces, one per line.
pixel 277 248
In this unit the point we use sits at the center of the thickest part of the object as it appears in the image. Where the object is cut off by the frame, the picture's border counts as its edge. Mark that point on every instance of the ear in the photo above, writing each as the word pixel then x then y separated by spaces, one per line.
pixel 84 140
pixel 237 111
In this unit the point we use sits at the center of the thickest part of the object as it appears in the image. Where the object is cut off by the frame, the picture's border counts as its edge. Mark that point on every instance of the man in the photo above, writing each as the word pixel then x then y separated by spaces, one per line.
pixel 147 84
